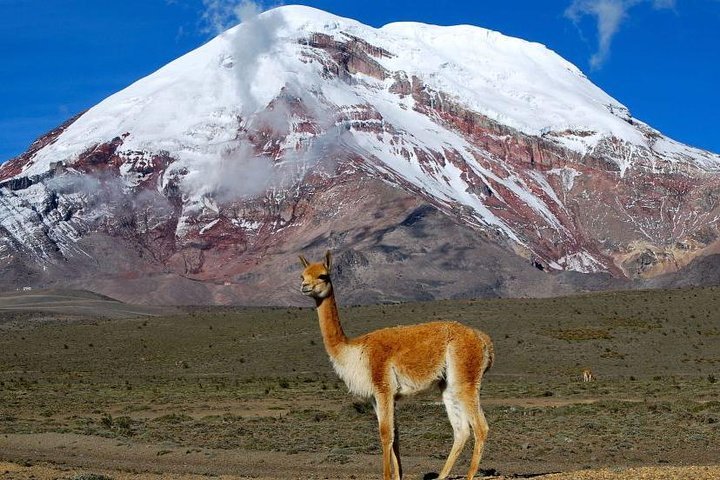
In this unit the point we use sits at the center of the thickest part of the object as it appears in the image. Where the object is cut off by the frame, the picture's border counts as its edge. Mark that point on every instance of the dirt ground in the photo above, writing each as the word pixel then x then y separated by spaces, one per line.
pixel 56 471
pixel 249 393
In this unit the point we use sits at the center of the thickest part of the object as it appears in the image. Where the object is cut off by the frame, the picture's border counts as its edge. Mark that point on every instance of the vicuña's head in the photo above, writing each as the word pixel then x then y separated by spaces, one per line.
pixel 316 277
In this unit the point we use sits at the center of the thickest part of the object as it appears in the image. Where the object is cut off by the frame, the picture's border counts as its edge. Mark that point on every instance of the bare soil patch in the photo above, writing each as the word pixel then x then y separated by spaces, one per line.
pixel 21 308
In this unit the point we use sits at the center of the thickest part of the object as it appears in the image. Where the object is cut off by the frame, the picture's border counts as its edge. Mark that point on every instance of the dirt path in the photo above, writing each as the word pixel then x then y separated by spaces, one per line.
pixel 66 456
pixel 80 452
pixel 48 471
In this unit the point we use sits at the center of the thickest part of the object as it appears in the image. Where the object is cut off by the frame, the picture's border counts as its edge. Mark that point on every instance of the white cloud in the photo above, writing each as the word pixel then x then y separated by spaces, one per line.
pixel 219 15
pixel 659 4
pixel 609 15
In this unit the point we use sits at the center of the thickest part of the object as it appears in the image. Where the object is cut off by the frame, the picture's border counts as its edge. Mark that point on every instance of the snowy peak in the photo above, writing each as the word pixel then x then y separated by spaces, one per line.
pixel 193 106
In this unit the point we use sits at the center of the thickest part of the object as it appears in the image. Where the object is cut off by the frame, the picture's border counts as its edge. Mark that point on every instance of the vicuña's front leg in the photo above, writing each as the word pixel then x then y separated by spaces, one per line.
pixel 396 448
pixel 385 409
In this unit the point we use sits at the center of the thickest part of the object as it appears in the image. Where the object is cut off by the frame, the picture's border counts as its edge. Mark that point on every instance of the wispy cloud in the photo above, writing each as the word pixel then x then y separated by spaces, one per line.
pixel 219 15
pixel 609 15
pixel 664 4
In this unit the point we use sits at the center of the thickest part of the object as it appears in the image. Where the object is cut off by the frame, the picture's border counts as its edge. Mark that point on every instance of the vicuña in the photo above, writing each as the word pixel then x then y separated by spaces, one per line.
pixel 388 363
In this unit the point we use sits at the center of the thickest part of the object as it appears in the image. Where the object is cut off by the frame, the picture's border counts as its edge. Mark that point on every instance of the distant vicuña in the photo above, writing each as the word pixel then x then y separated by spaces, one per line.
pixel 391 362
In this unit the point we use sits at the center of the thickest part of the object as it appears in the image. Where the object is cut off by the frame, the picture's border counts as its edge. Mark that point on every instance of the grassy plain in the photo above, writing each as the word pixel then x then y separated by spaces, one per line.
pixel 249 392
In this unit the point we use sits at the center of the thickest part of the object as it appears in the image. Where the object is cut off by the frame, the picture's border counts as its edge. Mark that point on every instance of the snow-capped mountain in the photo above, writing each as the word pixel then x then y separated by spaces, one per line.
pixel 426 153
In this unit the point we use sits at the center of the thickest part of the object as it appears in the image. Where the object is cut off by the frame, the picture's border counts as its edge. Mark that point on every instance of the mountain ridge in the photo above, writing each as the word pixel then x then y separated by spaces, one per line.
pixel 230 150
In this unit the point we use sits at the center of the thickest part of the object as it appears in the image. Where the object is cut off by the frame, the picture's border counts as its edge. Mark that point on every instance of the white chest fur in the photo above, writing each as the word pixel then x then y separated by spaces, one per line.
pixel 353 367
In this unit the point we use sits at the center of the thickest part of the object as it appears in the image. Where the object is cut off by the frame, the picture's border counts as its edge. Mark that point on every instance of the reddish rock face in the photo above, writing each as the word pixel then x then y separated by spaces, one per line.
pixel 348 57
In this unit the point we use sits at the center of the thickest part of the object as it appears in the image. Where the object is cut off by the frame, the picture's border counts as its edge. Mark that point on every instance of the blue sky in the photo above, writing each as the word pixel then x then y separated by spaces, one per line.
pixel 661 58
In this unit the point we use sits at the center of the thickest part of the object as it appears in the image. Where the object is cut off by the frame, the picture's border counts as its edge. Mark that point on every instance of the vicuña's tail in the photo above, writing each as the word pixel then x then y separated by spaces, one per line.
pixel 488 350
pixel 490 356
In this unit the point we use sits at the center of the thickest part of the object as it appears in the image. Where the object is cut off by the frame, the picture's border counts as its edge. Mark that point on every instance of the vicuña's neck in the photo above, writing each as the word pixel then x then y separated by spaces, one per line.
pixel 332 332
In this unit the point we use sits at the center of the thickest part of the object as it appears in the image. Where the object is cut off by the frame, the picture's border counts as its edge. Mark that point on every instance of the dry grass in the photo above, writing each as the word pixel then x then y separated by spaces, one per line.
pixel 258 380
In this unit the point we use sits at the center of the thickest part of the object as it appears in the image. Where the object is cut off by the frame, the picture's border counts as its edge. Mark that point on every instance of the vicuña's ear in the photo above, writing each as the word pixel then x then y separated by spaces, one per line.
pixel 304 261
pixel 328 262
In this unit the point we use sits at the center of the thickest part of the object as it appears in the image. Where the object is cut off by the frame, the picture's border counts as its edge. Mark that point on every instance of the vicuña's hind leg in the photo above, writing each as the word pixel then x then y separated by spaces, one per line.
pixel 459 420
pixel 480 431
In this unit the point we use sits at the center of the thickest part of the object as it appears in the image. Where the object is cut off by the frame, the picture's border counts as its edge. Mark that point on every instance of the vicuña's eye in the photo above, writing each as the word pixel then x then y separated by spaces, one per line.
pixel 324 278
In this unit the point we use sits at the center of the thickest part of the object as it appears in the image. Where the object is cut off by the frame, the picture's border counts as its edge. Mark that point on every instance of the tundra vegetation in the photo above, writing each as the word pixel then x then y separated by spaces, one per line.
pixel 231 390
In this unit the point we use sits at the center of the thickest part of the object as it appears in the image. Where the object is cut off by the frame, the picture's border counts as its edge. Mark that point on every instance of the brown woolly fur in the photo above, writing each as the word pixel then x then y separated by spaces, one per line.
pixel 396 361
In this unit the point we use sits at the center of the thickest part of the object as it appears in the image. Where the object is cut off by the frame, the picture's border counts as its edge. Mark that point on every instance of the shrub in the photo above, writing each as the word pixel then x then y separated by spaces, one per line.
pixel 91 476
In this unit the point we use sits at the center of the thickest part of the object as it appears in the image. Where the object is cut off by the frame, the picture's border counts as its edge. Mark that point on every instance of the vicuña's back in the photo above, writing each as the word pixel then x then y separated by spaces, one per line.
pixel 394 361
pixel 417 356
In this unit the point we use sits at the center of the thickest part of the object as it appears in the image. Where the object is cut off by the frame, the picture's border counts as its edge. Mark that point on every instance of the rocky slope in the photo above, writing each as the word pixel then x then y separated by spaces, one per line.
pixel 436 162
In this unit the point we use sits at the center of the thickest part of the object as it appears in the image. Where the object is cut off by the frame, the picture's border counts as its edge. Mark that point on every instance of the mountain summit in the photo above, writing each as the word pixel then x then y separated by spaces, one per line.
pixel 437 161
